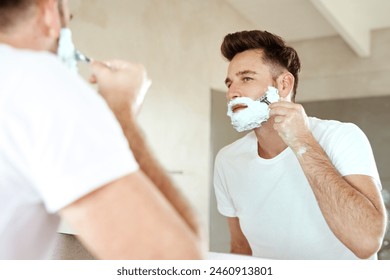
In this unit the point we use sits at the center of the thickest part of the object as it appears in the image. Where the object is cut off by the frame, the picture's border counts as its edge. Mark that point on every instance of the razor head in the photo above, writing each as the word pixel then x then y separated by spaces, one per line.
pixel 81 57
pixel 264 99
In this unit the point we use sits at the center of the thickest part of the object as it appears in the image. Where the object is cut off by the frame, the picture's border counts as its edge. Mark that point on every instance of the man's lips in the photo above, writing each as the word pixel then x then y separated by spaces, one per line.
pixel 238 107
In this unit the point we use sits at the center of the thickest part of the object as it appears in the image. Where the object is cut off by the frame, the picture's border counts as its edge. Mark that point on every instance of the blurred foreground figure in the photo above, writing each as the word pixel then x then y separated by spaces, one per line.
pixel 66 151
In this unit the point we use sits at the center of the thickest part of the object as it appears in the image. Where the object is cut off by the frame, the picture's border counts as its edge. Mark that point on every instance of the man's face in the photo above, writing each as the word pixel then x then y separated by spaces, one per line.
pixel 248 76
pixel 248 80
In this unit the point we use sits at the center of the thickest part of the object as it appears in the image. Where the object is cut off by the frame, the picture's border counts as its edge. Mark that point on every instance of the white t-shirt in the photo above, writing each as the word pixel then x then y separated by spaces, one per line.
pixel 58 142
pixel 273 200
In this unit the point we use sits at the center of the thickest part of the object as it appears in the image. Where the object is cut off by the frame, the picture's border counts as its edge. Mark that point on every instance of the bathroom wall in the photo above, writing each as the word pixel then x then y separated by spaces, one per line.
pixel 331 70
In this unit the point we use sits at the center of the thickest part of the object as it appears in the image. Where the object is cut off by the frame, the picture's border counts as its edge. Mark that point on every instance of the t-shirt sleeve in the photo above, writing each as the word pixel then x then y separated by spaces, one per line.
pixel 351 152
pixel 69 141
pixel 224 201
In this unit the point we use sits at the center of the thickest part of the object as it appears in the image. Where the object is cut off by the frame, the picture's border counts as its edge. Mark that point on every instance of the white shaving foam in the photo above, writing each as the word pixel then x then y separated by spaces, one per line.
pixel 256 112
pixel 66 49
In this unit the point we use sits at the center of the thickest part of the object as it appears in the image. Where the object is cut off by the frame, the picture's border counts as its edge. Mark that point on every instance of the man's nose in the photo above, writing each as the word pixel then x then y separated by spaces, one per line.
pixel 233 92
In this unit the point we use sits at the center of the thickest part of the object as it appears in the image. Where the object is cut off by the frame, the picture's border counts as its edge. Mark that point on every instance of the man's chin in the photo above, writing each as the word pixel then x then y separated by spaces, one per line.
pixel 248 127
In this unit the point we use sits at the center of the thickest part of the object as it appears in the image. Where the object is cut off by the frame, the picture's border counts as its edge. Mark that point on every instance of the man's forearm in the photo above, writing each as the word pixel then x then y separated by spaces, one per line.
pixel 151 168
pixel 352 216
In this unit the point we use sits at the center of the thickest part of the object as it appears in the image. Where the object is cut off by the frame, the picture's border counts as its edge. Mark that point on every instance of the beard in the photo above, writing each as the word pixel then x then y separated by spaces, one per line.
pixel 255 113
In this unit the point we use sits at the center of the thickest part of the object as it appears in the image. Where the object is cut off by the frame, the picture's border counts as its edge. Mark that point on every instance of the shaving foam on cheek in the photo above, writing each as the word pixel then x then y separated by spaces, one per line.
pixel 272 94
pixel 250 117
pixel 66 49
pixel 255 113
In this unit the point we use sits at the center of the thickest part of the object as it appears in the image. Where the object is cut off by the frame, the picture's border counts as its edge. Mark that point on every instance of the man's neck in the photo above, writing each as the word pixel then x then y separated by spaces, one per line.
pixel 17 41
pixel 269 143
pixel 26 36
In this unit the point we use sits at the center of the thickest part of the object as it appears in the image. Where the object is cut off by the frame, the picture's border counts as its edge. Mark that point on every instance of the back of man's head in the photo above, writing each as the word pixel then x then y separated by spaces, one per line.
pixel 275 51
pixel 13 11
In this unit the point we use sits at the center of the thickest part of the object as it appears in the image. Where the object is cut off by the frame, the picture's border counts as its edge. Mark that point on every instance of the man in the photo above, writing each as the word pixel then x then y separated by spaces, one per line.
pixel 295 187
pixel 63 153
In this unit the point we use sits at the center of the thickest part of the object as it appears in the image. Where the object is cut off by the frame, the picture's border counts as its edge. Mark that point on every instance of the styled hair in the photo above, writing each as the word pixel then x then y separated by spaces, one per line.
pixel 275 51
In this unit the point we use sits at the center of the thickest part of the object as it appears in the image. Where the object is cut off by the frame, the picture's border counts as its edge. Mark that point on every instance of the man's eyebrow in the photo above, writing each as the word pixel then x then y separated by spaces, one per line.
pixel 246 72
pixel 241 73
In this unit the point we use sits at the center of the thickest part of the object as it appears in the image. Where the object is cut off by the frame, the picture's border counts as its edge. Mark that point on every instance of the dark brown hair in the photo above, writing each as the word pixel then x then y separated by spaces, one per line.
pixel 12 10
pixel 275 51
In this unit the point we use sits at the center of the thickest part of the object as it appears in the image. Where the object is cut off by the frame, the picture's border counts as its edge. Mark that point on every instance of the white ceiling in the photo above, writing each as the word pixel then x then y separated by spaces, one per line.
pixel 297 20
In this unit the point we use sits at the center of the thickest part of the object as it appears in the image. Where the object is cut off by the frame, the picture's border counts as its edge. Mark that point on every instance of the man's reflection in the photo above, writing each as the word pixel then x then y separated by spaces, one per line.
pixel 295 187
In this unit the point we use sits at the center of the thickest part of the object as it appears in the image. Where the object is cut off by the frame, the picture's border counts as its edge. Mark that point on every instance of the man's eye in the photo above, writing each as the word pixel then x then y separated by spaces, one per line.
pixel 247 79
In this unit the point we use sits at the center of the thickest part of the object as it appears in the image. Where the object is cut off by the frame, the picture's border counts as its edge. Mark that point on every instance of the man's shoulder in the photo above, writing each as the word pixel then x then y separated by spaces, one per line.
pixel 331 126
pixel 27 60
pixel 324 130
pixel 41 72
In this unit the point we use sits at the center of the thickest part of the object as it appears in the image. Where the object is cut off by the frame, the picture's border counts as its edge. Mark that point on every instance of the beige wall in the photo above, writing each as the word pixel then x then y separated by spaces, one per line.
pixel 331 70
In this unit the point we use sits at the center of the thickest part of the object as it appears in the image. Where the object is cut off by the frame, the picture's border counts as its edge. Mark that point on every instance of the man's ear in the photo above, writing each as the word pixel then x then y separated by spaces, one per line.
pixel 51 21
pixel 285 85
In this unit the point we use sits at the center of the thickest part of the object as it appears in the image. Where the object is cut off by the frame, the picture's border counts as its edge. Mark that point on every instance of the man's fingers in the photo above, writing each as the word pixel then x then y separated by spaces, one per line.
pixel 98 68
pixel 92 79
pixel 280 111
pixel 116 64
pixel 278 119
pixel 285 108
pixel 285 104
